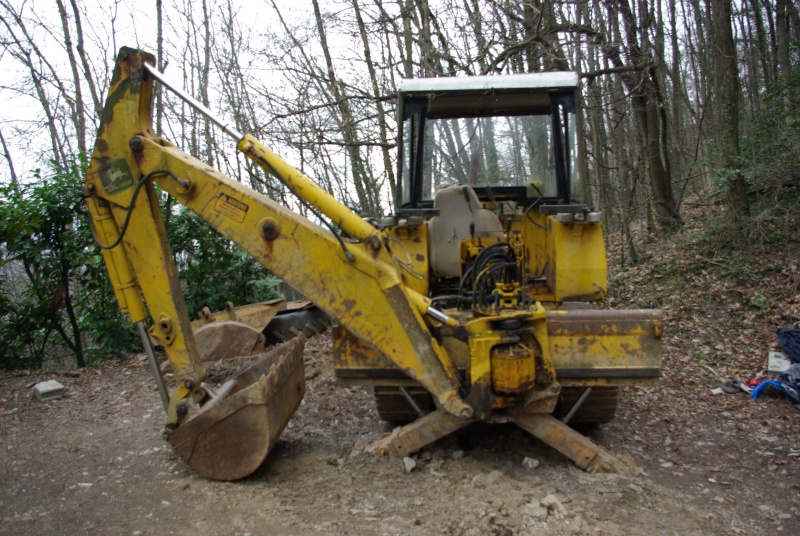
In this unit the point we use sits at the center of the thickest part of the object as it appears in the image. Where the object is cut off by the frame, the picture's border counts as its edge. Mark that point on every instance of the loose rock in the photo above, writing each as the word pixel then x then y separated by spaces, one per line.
pixel 554 506
pixel 487 480
pixel 530 463
pixel 409 464
pixel 535 512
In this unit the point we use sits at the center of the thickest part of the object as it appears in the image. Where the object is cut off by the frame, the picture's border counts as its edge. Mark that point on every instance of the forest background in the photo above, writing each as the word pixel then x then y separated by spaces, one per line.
pixel 688 105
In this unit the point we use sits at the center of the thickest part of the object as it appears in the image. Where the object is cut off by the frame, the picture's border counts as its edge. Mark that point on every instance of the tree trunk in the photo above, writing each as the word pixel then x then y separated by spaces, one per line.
pixel 88 75
pixel 78 116
pixel 782 34
pixel 10 162
pixel 726 82
pixel 383 129
pixel 160 64
pixel 369 202
pixel 645 101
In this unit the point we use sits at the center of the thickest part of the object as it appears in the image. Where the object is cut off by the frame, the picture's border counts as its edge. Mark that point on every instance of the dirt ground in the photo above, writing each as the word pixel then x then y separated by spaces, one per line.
pixel 94 462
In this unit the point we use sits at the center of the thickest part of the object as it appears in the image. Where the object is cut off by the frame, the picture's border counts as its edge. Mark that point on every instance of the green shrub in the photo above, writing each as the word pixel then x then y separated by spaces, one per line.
pixel 67 301
pixel 212 269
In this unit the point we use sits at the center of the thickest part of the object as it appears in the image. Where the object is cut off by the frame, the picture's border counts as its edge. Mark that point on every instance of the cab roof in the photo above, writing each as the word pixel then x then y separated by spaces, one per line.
pixel 546 80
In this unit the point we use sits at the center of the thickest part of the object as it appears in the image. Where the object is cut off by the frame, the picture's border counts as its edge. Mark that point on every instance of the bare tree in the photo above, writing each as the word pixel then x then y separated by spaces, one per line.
pixel 41 73
pixel 726 89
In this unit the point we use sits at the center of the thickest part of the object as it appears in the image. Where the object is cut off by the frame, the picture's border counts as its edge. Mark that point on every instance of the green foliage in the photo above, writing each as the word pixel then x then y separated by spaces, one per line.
pixel 66 300
pixel 61 297
pixel 212 269
pixel 726 177
pixel 769 163
pixel 773 223
pixel 757 300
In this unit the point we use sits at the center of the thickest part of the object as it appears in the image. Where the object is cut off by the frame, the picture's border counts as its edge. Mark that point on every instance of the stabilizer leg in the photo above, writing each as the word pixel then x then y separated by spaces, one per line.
pixel 406 440
pixel 580 449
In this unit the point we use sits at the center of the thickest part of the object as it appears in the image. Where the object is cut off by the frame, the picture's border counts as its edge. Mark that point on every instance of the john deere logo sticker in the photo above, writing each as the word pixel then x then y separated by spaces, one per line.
pixel 231 207
pixel 116 177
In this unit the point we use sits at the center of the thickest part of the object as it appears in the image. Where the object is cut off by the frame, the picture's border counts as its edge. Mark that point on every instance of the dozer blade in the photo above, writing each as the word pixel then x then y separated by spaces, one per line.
pixel 231 435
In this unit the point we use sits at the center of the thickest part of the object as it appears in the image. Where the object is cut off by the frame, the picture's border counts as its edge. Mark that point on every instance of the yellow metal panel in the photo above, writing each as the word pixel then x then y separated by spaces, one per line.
pixel 410 245
pixel 577 257
pixel 116 260
pixel 589 347
pixel 531 227
pixel 619 346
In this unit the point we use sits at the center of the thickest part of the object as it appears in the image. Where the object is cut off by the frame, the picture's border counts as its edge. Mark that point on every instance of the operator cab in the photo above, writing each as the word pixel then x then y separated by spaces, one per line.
pixel 508 138
pixel 485 162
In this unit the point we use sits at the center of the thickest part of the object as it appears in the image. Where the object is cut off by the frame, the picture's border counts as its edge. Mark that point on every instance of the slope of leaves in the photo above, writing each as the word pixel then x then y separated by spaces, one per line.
pixel 725 286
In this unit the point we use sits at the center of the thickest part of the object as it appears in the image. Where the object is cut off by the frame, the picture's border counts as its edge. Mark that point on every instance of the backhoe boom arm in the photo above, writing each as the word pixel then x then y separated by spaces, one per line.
pixel 359 283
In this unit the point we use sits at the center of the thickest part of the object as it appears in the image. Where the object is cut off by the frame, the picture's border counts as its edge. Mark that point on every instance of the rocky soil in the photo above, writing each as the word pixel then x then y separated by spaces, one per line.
pixel 94 462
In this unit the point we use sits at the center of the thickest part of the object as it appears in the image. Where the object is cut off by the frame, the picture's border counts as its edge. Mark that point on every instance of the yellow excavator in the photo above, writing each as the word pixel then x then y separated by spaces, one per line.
pixel 479 300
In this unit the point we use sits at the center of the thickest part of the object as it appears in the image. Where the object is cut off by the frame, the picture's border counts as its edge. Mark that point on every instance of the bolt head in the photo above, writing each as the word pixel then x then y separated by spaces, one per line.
pixel 135 143
pixel 270 229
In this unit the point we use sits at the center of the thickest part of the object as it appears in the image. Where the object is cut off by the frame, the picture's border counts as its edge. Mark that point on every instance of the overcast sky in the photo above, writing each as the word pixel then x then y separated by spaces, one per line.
pixel 107 26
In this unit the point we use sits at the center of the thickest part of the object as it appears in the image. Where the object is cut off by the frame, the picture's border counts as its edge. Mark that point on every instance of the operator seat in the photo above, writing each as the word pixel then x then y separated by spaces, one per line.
pixel 460 213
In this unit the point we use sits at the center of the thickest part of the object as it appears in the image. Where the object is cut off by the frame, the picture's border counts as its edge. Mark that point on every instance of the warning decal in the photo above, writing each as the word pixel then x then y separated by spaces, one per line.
pixel 231 207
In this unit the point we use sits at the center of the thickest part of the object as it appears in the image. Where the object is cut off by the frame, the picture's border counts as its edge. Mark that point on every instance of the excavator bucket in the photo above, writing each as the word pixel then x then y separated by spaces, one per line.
pixel 230 436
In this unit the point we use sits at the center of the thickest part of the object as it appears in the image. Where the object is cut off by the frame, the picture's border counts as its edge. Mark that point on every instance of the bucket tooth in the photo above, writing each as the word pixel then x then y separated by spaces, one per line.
pixel 231 436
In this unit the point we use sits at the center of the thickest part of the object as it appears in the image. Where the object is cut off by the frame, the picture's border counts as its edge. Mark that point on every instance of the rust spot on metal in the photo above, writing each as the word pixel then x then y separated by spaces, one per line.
pixel 416 240
pixel 420 257
pixel 138 156
pixel 349 304
pixel 374 246
pixel 658 331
